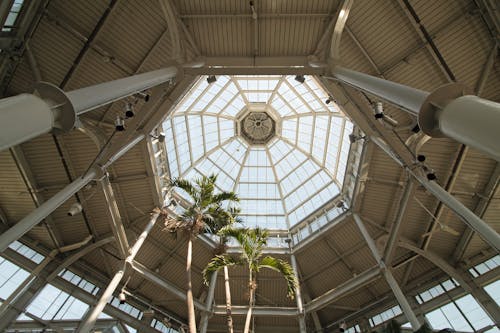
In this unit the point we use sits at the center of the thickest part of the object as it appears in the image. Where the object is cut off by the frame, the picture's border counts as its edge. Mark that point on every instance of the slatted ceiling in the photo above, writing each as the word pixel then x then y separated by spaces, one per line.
pixel 222 37
pixel 418 71
pixel 89 13
pixel 421 267
pixel 54 55
pixel 473 41
pixel 81 150
pixel 328 279
pixel 383 30
pixel 361 260
pixel 44 161
pixel 322 256
pixel 352 57
pixel 96 210
pixel 475 173
pixel 434 13
pixel 142 22
pixel 23 81
pixel 299 35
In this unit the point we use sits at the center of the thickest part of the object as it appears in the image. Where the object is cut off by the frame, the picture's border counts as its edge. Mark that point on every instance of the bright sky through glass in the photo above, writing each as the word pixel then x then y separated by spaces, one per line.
pixel 279 182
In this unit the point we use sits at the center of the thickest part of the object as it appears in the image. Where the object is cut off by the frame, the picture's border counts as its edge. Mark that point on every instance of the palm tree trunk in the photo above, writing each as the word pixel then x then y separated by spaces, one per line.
pixel 251 303
pixel 229 316
pixel 190 301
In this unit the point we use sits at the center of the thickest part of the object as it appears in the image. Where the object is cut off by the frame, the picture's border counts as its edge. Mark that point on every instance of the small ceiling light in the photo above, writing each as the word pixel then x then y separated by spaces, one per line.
pixel 75 209
pixel 300 78
pixel 211 79
pixel 160 137
pixel 353 137
pixel 119 124
pixel 129 110
pixel 342 327
pixel 329 100
pixel 421 158
pixel 142 95
pixel 122 297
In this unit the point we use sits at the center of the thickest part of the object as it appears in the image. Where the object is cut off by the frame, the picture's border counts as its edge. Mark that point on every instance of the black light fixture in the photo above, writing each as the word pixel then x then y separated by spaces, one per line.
pixel 119 124
pixel 342 327
pixel 353 137
pixel 211 79
pixel 129 110
pixel 300 78
pixel 160 137
pixel 142 95
pixel 329 100
pixel 421 158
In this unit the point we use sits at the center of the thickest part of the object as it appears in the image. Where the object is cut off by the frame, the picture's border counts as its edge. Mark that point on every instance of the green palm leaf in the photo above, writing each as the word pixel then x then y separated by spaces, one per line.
pixel 216 263
pixel 285 269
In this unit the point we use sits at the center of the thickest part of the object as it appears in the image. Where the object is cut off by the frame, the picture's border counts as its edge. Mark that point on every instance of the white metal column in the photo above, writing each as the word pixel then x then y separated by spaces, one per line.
pixel 298 296
pixel 208 304
pixel 26 116
pixel 451 110
pixel 89 323
pixel 401 298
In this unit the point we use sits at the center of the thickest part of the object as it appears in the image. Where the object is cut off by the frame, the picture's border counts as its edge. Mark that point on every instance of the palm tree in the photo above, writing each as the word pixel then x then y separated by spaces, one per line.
pixel 252 242
pixel 205 213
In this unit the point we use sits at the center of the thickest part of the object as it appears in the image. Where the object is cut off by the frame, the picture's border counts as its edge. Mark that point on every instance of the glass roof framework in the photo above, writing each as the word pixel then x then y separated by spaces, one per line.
pixel 279 182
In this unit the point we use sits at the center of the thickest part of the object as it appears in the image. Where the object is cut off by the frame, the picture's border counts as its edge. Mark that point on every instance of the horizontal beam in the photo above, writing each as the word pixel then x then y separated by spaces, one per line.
pixel 343 289
pixel 259 311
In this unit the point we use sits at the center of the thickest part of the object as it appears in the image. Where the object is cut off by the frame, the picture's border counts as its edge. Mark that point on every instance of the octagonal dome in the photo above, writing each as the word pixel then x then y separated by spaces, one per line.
pixel 271 139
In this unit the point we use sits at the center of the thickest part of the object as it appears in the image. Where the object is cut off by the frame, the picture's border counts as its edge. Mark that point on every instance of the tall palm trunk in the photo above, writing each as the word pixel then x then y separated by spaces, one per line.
pixel 251 303
pixel 190 301
pixel 229 317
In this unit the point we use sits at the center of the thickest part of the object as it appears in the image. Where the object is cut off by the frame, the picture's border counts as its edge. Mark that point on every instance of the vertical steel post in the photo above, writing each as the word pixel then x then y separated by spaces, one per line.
pixel 208 304
pixel 398 293
pixel 298 296
pixel 89 323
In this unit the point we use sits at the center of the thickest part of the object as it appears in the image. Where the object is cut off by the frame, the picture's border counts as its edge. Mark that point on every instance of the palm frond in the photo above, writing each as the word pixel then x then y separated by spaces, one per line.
pixel 217 263
pixel 186 186
pixel 225 196
pixel 285 269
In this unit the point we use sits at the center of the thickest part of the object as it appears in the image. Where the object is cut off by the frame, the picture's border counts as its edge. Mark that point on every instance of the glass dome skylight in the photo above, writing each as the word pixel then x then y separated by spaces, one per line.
pixel 271 139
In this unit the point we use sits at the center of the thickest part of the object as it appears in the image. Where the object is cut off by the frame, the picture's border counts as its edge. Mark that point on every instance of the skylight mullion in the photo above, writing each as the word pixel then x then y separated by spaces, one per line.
pixel 275 92
pixel 222 89
pixel 312 196
pixel 299 95
pixel 229 103
pixel 280 190
pixel 306 114
pixel 303 152
pixel 302 184
pixel 197 99
pixel 188 134
pixel 242 165
pixel 339 151
pixel 312 135
pixel 175 145
pixel 198 114
pixel 240 91
pixel 285 100
pixel 328 128
pixel 205 156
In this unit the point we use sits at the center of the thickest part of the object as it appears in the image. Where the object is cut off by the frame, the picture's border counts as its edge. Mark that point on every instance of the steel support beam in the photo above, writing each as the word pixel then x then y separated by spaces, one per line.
pixel 298 296
pixel 157 279
pixel 401 298
pixel 445 112
pixel 343 289
pixel 89 323
pixel 208 304
pixel 29 221
pixel 338 29
pixel 26 116
pixel 116 219
pixel 486 232
pixel 394 235
pixel 258 311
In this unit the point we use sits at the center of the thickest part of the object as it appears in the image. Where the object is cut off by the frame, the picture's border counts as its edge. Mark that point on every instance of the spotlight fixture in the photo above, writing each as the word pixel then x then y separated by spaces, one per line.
pixel 142 95
pixel 119 124
pixel 431 176
pixel 211 79
pixel 75 209
pixel 353 137
pixel 415 129
pixel 122 297
pixel 160 137
pixel 420 158
pixel 329 100
pixel 129 110
pixel 300 78
pixel 342 327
